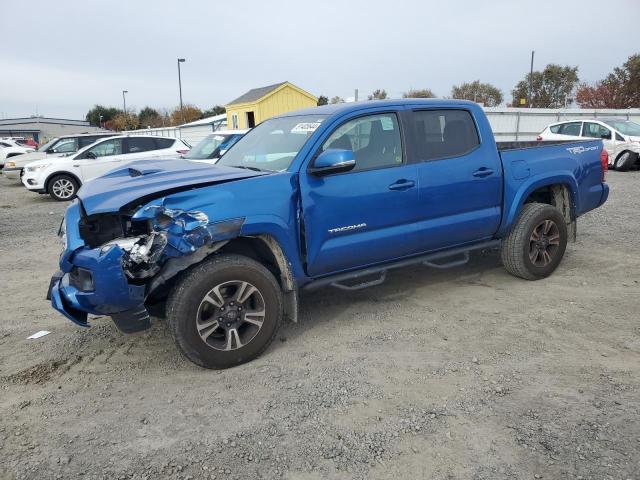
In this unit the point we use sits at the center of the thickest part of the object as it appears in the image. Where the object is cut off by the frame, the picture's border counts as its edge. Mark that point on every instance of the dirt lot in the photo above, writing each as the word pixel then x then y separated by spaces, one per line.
pixel 465 373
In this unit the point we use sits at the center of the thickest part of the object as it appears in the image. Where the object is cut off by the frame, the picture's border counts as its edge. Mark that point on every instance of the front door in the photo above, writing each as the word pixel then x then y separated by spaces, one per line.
pixel 600 132
pixel 100 158
pixel 460 178
pixel 367 215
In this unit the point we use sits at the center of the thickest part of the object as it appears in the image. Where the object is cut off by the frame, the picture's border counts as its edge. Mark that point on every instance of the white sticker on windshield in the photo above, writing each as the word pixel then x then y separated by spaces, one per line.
pixel 305 127
pixel 218 138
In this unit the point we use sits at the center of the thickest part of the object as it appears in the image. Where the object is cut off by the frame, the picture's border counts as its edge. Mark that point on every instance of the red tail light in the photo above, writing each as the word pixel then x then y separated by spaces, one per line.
pixel 539 138
pixel 182 152
pixel 604 161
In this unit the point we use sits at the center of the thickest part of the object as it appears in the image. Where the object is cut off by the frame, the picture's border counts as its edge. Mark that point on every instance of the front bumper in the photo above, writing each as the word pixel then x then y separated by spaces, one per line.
pixel 33 182
pixel 12 173
pixel 101 289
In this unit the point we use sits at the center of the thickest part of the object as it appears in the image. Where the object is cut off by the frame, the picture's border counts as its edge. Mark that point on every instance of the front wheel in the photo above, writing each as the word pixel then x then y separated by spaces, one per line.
pixel 225 312
pixel 536 244
pixel 63 187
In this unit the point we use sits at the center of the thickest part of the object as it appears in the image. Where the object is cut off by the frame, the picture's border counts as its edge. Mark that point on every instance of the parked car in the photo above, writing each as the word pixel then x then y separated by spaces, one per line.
pixel 213 146
pixel 621 137
pixel 57 147
pixel 27 142
pixel 331 196
pixel 62 177
pixel 10 148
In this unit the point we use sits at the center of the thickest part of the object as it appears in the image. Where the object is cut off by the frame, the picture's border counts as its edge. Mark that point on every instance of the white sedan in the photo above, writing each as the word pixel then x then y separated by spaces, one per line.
pixel 621 138
pixel 63 177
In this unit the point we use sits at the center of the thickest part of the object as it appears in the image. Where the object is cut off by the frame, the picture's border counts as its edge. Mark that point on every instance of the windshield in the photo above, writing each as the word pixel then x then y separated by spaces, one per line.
pixel 211 147
pixel 625 126
pixel 48 145
pixel 273 144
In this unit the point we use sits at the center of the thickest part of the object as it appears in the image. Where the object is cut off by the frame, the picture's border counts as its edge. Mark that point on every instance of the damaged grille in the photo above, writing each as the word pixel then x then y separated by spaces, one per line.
pixel 96 230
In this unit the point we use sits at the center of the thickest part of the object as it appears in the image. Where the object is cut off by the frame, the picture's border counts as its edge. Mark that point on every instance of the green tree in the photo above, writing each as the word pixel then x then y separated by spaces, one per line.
pixel 419 93
pixel 476 91
pixel 336 99
pixel 322 100
pixel 378 94
pixel 108 114
pixel 149 117
pixel 215 110
pixel 550 88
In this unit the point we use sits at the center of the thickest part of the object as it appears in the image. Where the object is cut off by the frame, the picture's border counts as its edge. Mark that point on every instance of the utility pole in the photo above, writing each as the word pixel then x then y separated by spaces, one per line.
pixel 531 78
pixel 180 60
pixel 124 101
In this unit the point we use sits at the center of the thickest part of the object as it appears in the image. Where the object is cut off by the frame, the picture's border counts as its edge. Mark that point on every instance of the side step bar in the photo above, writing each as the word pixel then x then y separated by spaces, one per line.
pixel 379 273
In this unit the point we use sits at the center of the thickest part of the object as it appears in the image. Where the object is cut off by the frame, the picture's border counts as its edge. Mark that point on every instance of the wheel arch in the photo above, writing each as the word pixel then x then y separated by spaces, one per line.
pixel 57 173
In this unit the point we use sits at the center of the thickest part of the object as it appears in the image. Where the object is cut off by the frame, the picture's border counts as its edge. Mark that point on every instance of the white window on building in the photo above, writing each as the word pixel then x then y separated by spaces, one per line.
pixel 234 121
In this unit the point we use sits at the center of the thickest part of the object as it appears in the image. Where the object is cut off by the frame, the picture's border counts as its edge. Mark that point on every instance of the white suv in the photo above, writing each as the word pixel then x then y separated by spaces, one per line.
pixel 621 138
pixel 63 177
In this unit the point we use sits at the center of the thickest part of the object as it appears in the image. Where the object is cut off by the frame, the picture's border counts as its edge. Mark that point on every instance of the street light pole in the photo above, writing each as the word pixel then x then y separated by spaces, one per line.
pixel 180 60
pixel 124 101
pixel 531 78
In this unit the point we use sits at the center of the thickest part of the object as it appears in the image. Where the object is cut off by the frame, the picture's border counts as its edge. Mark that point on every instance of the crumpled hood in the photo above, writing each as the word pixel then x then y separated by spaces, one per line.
pixel 634 139
pixel 149 178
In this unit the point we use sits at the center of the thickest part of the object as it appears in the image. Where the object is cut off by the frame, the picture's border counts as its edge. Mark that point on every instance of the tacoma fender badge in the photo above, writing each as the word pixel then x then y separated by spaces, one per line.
pixel 347 228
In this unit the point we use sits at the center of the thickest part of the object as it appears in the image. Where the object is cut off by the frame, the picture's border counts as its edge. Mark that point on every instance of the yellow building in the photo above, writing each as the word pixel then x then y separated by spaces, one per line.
pixel 258 104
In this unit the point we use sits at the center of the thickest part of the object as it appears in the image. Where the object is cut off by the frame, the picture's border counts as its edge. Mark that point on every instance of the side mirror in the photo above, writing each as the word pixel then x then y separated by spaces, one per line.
pixel 333 160
pixel 51 150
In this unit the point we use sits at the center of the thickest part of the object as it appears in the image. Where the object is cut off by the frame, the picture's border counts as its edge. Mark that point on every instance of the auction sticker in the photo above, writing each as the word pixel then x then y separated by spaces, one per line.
pixel 305 127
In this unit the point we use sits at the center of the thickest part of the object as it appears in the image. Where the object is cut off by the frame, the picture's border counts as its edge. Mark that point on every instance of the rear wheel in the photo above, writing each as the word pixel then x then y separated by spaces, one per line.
pixel 625 161
pixel 63 187
pixel 225 311
pixel 537 242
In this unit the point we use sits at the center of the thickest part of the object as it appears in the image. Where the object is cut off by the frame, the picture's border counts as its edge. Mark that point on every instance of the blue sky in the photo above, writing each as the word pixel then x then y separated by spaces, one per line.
pixel 63 57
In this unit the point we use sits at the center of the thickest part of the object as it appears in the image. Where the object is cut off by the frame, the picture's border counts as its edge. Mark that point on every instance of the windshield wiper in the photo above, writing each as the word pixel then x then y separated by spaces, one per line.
pixel 255 169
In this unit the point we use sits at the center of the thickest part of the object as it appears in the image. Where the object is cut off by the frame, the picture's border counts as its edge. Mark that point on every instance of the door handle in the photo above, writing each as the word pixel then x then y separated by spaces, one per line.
pixel 482 172
pixel 402 185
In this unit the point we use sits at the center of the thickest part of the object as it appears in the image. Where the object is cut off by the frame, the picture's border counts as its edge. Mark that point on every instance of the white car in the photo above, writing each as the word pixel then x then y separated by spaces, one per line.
pixel 62 177
pixel 10 148
pixel 212 147
pixel 54 148
pixel 621 138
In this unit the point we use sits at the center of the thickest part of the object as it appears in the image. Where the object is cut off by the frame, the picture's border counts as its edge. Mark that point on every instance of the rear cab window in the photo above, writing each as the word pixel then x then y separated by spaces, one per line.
pixel 444 134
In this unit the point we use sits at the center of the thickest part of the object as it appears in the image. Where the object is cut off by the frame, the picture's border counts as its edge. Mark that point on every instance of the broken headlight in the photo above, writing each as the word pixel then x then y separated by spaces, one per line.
pixel 140 255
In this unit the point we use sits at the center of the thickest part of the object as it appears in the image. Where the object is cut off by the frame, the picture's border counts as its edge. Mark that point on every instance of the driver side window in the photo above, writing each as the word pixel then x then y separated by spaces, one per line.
pixel 109 147
pixel 374 140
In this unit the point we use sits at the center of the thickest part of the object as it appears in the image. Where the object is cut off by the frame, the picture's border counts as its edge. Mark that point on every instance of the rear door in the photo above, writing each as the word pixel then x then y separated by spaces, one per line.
pixel 460 177
pixel 367 215
pixel 108 155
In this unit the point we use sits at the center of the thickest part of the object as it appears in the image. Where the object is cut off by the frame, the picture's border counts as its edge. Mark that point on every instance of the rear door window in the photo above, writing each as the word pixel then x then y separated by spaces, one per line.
pixel 444 133
pixel 141 144
pixel 164 143
pixel 571 128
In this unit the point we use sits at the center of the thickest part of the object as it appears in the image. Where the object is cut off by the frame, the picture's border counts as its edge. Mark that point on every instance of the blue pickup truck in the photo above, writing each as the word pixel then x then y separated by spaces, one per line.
pixel 332 196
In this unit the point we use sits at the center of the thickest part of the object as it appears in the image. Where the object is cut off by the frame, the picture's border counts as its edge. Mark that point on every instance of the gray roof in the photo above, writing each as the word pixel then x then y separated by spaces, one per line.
pixel 256 94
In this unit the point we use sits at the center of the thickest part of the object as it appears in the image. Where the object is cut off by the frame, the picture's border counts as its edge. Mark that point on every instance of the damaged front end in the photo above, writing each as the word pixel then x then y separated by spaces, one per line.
pixel 113 262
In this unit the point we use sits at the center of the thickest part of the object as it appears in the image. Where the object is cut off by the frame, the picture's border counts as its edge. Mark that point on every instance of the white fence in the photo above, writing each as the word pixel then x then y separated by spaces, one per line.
pixel 511 124
pixel 508 124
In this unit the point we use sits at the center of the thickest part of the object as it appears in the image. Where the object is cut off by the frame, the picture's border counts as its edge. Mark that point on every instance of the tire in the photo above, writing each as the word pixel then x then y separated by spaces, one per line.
pixel 206 306
pixel 522 254
pixel 63 188
pixel 625 161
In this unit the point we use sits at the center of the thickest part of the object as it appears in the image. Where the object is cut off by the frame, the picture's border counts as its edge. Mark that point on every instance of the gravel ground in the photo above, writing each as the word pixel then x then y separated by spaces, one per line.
pixel 464 373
